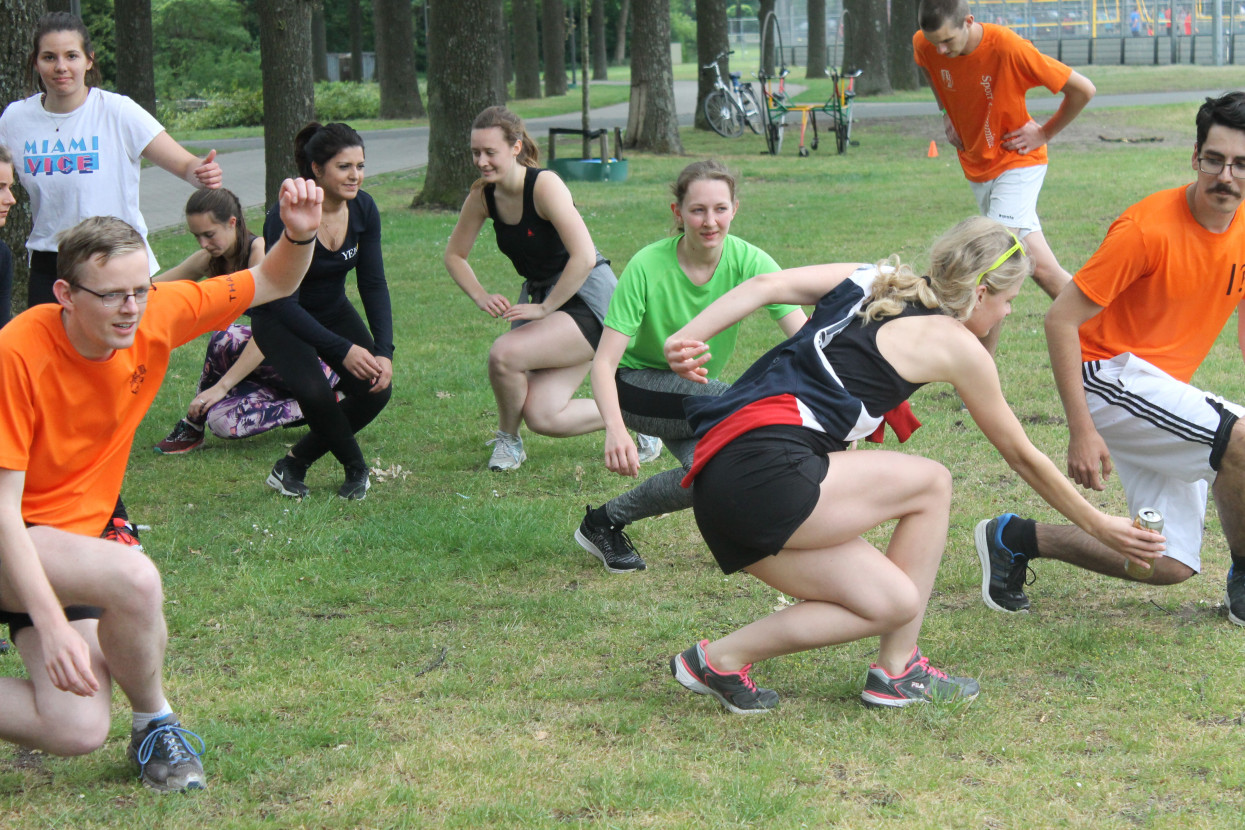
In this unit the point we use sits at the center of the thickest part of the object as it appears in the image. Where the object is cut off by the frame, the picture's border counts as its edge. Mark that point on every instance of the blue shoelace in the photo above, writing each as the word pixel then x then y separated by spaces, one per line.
pixel 173 738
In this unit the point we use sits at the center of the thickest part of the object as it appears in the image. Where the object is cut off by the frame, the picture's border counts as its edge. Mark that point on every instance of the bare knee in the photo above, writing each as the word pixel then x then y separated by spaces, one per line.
pixel 135 585
pixel 937 487
pixel 894 607
pixel 75 734
pixel 1168 571
pixel 505 357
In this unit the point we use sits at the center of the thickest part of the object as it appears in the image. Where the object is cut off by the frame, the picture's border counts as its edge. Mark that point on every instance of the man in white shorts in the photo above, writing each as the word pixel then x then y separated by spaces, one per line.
pixel 980 73
pixel 1125 338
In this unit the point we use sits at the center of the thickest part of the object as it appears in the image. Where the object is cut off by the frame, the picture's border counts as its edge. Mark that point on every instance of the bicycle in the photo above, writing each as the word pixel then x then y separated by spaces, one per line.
pixel 729 108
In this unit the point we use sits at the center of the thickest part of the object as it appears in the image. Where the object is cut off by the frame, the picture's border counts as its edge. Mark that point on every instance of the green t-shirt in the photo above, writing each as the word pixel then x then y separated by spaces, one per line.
pixel 654 299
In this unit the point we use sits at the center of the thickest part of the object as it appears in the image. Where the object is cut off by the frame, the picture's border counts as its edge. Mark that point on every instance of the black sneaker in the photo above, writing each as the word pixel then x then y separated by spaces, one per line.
pixel 184 438
pixel 356 485
pixel 1235 599
pixel 919 683
pixel 287 477
pixel 167 762
pixel 1003 572
pixel 610 545
pixel 733 689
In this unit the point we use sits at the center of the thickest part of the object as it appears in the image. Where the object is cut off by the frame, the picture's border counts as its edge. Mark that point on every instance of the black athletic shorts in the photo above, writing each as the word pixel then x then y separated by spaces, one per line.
pixel 588 323
pixel 758 490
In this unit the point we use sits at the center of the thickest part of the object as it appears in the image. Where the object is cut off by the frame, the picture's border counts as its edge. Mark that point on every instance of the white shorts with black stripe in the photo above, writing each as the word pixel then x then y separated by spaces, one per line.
pixel 1166 440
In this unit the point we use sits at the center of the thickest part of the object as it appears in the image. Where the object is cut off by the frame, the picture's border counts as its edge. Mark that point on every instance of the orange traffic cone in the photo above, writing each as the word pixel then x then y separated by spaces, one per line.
pixel 933 150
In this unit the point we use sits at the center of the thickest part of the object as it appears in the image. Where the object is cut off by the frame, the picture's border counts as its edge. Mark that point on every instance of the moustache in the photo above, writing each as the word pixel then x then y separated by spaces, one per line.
pixel 1225 189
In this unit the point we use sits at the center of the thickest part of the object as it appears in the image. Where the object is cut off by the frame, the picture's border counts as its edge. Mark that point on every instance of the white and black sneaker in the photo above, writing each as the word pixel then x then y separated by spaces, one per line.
pixel 609 544
pixel 1235 598
pixel 356 485
pixel 287 477
pixel 508 452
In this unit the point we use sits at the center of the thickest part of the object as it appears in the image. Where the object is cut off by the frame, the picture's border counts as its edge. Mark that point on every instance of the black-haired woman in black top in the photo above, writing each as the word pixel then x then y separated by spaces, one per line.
pixel 319 321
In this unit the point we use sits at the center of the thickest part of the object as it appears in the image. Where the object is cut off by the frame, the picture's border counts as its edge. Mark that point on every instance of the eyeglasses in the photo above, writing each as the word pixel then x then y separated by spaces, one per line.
pixel 1213 167
pixel 116 299
pixel 1006 256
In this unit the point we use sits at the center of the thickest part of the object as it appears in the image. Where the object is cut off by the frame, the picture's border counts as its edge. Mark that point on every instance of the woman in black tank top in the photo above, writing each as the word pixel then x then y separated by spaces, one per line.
pixel 776 495
pixel 536 367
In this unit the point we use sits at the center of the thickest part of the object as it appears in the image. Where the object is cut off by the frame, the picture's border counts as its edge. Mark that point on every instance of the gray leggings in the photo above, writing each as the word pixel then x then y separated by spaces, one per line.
pixel 651 401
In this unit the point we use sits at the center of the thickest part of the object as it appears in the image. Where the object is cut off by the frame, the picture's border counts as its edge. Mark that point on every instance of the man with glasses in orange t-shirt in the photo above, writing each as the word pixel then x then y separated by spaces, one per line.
pixel 1125 338
pixel 78 377
pixel 980 74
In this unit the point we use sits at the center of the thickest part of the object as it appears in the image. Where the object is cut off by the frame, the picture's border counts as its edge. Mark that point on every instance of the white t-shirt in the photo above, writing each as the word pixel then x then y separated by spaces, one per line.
pixel 79 164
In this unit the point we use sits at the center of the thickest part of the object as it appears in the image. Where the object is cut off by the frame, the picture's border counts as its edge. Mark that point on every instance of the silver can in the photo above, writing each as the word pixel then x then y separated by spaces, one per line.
pixel 1150 519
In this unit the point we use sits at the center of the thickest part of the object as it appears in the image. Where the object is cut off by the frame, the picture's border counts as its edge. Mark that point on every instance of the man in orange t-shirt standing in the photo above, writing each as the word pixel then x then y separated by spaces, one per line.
pixel 78 377
pixel 980 74
pixel 1125 338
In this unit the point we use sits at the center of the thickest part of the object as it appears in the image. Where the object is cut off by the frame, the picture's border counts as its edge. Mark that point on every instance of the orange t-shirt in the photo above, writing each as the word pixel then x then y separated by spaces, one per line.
pixel 984 93
pixel 1167 285
pixel 68 422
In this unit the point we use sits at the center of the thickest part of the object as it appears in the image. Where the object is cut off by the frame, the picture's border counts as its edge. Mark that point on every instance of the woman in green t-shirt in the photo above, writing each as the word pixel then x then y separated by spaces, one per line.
pixel 665 285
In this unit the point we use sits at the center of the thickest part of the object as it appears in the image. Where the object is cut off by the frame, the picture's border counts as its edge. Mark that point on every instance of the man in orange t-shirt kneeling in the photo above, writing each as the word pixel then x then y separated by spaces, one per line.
pixel 980 74
pixel 1125 338
pixel 78 377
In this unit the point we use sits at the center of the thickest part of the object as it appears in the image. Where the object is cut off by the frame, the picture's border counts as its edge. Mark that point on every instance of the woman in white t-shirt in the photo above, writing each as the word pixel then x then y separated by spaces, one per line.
pixel 77 148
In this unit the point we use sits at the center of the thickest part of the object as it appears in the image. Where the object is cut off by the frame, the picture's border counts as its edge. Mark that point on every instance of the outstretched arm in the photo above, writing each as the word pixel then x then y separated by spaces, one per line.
pixel 1077 92
pixel 686 350
pixel 283 268
pixel 973 373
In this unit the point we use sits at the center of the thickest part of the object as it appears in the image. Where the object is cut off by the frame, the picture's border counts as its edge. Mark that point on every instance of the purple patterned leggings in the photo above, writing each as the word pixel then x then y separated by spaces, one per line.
pixel 259 402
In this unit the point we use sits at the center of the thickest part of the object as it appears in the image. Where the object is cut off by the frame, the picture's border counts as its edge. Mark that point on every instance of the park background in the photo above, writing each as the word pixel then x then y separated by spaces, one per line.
pixel 444 655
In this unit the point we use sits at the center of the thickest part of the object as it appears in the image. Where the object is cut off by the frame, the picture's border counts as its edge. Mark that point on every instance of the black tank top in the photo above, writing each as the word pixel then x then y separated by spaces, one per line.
pixel 863 371
pixel 533 245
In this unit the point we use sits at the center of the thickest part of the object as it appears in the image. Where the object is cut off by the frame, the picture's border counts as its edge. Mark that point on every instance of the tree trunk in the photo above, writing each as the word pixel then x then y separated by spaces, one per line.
pixel 769 40
pixel 319 47
pixel 600 61
pixel 652 122
pixel 289 96
pixel 903 24
pixel 136 76
pixel 712 38
pixel 864 44
pixel 501 62
pixel 620 37
pixel 395 59
pixel 461 53
pixel 817 58
pixel 356 41
pixel 17 21
pixel 526 49
pixel 553 43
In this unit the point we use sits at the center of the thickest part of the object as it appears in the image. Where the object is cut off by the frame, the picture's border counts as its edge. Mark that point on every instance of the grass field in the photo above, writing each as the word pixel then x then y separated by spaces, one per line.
pixel 444 655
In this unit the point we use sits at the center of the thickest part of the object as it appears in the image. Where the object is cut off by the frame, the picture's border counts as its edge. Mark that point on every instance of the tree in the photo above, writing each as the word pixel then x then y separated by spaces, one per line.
pixel 652 121
pixel 620 34
pixel 768 40
pixel 395 60
pixel 319 45
pixel 903 24
pixel 864 44
pixel 817 59
pixel 461 52
pixel 136 76
pixel 17 21
pixel 526 49
pixel 501 39
pixel 289 95
pixel 712 38
pixel 600 61
pixel 356 41
pixel 553 42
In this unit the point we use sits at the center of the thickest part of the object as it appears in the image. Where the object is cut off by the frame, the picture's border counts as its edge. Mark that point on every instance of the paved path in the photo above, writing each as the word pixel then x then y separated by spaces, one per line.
pixel 242 159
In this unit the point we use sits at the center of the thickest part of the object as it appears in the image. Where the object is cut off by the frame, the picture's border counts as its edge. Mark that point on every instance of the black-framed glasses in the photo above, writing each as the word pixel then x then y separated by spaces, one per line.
pixel 116 299
pixel 1213 167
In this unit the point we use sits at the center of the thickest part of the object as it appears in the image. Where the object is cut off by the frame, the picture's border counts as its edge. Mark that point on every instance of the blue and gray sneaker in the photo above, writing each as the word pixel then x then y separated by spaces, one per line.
pixel 1236 595
pixel 167 761
pixel 1002 571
